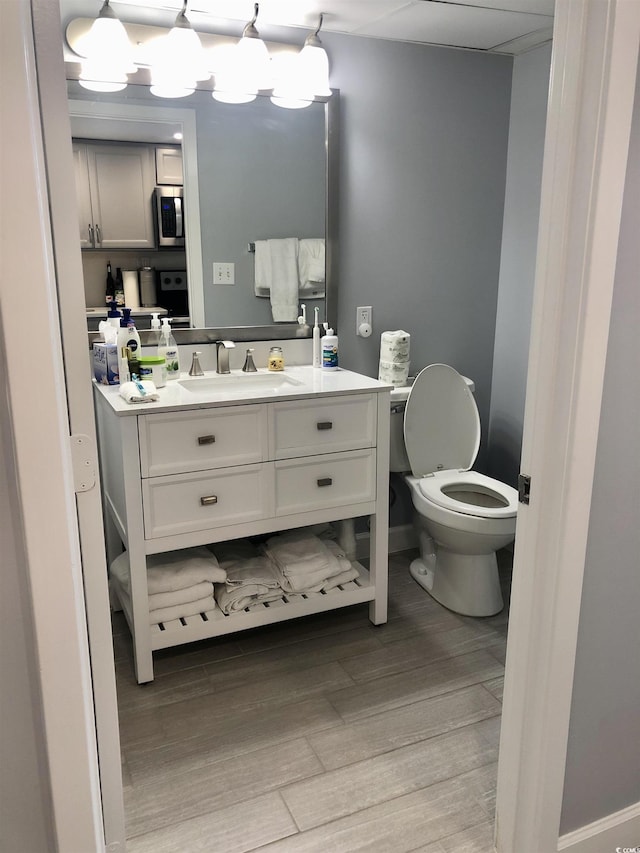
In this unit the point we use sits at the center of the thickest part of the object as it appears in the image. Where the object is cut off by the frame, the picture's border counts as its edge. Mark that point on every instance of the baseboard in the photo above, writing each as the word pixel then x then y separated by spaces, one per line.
pixel 618 832
pixel 401 538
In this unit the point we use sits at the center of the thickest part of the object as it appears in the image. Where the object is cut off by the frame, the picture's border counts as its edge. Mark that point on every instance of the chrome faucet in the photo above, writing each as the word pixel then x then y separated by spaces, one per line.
pixel 222 356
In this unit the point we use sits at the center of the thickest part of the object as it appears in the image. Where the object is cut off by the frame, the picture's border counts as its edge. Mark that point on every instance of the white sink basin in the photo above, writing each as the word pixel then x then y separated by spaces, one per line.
pixel 238 383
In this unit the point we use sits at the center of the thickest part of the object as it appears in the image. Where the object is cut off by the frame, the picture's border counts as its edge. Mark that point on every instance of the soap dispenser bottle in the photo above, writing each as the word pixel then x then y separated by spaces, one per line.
pixel 169 349
pixel 155 337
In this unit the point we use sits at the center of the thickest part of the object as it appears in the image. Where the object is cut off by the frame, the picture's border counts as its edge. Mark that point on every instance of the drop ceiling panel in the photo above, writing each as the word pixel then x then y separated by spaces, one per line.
pixel 534 7
pixel 448 24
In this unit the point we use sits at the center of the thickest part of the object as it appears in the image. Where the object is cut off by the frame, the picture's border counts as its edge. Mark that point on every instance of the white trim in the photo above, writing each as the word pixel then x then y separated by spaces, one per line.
pixel 591 101
pixel 187 118
pixel 615 832
pixel 60 175
pixel 42 454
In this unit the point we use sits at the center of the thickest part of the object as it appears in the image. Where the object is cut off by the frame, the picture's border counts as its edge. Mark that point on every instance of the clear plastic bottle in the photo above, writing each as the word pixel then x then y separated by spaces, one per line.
pixel 155 337
pixel 169 349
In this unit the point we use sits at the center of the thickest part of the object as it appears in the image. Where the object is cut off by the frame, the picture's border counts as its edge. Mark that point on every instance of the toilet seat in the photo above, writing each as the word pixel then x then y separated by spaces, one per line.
pixel 435 487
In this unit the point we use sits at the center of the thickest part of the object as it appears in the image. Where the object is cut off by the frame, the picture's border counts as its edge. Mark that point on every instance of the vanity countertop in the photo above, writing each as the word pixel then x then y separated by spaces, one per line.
pixel 213 390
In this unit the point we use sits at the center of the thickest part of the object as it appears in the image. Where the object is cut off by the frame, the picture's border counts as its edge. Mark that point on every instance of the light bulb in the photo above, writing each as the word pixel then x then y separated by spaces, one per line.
pixel 108 54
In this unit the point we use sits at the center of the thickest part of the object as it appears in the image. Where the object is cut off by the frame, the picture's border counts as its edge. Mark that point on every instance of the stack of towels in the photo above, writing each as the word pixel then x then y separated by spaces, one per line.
pixel 251 577
pixel 295 563
pixel 394 357
pixel 307 563
pixel 179 583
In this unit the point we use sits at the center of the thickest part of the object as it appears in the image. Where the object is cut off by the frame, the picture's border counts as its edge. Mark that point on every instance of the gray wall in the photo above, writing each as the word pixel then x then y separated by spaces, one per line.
pixel 424 135
pixel 602 772
pixel 25 818
pixel 517 267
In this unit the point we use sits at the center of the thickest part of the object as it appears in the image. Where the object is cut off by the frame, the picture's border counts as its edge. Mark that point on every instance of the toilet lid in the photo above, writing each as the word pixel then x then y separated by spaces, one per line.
pixel 441 422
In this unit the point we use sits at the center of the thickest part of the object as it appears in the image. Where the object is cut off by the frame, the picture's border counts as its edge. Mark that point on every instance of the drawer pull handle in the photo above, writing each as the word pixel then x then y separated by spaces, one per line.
pixel 208 500
pixel 206 439
pixel 325 481
pixel 324 425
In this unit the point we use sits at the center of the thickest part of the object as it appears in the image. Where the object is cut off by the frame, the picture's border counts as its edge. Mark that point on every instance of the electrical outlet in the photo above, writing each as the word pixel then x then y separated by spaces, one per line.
pixel 224 273
pixel 363 316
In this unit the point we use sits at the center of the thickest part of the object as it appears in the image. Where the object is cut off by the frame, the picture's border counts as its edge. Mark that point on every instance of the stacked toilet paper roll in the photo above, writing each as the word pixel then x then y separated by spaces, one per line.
pixel 394 357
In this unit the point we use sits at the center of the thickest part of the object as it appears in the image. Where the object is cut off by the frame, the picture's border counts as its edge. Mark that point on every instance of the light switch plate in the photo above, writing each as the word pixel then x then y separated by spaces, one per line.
pixel 224 273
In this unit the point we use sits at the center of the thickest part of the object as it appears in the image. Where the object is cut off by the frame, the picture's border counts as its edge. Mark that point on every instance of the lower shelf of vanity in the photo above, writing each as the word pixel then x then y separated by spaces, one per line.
pixel 215 623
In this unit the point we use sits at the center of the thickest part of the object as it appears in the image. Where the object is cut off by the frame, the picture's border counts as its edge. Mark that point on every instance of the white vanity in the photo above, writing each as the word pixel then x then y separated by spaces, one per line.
pixel 227 456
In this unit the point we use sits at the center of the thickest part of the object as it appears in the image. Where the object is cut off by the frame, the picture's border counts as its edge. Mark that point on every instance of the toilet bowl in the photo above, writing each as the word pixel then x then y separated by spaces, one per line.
pixel 462 517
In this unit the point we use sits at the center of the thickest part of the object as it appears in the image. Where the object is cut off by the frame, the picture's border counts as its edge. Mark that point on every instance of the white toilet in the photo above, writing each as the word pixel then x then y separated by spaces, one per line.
pixel 462 517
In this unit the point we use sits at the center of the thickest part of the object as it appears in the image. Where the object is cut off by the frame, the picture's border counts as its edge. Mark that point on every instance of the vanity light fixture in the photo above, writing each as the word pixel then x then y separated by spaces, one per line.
pixel 108 54
pixel 299 80
pixel 314 64
pixel 179 60
pixel 245 67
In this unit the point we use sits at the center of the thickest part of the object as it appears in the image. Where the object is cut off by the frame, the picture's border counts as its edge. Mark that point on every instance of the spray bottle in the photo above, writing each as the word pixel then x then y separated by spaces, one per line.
pixel 169 349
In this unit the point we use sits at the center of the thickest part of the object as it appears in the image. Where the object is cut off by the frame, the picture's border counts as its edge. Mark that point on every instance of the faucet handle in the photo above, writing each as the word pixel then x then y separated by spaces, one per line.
pixel 195 369
pixel 249 366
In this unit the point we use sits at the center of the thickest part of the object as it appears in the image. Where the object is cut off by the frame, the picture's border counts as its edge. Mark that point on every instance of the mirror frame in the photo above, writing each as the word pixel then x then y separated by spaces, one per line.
pixel 199 333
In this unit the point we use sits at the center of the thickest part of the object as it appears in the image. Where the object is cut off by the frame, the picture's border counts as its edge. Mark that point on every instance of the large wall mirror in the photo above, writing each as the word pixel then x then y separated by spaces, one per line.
pixel 252 172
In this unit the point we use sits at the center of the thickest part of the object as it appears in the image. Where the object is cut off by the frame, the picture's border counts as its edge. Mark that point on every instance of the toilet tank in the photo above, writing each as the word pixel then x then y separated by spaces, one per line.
pixel 398 459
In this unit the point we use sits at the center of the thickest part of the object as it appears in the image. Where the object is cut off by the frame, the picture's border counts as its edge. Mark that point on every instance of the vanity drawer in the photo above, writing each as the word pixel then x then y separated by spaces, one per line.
pixel 188 502
pixel 310 427
pixel 334 479
pixel 198 441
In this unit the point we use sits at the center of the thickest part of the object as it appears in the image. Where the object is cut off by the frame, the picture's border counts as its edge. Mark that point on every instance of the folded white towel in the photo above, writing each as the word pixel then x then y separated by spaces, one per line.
pixel 240 597
pixel 178 611
pixel 256 570
pixel 180 596
pixel 139 392
pixel 173 570
pixel 311 265
pixel 337 580
pixel 304 561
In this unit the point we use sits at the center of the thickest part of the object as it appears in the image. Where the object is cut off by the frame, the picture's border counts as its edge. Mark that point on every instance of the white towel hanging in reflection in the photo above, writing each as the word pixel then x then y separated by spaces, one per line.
pixel 310 273
pixel 311 265
pixel 277 269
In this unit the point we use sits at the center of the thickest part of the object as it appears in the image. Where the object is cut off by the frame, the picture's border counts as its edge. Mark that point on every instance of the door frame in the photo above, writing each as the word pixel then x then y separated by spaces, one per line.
pixel 593 55
pixel 594 62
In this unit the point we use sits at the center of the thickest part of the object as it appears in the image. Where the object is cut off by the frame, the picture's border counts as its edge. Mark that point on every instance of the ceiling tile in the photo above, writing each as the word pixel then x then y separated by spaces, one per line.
pixel 534 7
pixel 448 24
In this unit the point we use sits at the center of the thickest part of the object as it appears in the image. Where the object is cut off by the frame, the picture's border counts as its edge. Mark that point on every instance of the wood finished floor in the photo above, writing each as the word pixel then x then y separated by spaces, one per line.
pixel 322 735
